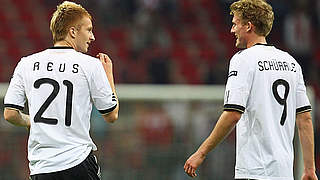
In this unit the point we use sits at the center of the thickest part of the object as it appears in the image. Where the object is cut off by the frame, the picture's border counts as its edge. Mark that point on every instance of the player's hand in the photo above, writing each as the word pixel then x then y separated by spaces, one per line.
pixel 106 61
pixel 193 163
pixel 107 66
pixel 309 175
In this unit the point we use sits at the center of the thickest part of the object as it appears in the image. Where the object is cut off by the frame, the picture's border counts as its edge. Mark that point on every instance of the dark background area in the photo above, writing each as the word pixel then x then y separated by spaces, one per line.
pixel 157 42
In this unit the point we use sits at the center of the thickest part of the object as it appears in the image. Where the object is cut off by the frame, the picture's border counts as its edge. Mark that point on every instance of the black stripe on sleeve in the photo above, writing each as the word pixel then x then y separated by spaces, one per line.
pixel 106 111
pixel 303 109
pixel 14 106
pixel 114 98
pixel 233 107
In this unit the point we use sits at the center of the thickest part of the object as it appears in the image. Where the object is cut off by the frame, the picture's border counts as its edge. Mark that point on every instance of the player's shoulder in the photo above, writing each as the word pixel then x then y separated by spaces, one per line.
pixel 86 58
pixel 244 53
pixel 87 63
pixel 241 55
pixel 32 57
pixel 284 55
pixel 241 61
pixel 237 54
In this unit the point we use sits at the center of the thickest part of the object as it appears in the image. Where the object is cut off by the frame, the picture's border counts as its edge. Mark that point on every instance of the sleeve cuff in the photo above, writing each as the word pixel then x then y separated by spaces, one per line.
pixel 106 111
pixel 303 109
pixel 13 106
pixel 234 107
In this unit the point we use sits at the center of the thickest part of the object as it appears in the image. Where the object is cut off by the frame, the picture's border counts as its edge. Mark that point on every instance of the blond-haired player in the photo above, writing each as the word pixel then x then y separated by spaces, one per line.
pixel 61 84
pixel 265 97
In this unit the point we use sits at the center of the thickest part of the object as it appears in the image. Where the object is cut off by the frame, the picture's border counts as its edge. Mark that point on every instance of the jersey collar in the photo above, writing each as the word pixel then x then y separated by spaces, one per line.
pixel 61 47
pixel 263 44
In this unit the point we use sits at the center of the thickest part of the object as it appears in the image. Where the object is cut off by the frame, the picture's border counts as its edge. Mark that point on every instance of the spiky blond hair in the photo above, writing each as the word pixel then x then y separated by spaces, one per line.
pixel 67 15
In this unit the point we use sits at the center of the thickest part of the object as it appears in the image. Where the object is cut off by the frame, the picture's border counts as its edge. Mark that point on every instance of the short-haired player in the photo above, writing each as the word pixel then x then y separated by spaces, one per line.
pixel 61 84
pixel 265 97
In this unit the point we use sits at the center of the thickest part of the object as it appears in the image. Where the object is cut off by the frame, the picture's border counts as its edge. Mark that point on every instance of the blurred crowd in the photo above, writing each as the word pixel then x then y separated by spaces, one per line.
pixel 165 41
pixel 162 41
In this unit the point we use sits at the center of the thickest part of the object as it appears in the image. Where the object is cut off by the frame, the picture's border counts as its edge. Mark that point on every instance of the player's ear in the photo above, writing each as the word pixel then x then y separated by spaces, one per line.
pixel 72 32
pixel 249 26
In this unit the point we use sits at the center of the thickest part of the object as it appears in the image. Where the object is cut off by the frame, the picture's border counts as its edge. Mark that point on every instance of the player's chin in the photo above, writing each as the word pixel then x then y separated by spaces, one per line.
pixel 239 45
pixel 85 50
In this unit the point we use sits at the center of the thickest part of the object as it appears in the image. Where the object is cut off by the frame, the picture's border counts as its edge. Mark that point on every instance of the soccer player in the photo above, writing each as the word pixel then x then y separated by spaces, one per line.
pixel 265 96
pixel 61 84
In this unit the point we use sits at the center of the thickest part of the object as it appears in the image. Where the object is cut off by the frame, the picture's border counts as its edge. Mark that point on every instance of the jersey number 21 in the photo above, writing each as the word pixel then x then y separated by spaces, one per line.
pixel 56 87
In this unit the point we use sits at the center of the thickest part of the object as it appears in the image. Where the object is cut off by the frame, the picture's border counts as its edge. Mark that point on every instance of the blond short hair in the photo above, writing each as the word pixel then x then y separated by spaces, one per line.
pixel 67 15
pixel 258 12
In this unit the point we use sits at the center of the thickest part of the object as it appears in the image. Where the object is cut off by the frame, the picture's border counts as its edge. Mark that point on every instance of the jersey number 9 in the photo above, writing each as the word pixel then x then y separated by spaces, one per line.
pixel 281 101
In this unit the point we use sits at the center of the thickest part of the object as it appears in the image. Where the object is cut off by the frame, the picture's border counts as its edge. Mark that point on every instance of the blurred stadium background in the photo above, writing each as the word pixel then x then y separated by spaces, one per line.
pixel 182 48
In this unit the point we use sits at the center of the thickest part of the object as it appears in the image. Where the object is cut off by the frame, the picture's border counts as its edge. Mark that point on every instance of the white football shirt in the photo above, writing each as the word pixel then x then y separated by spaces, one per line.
pixel 267 86
pixel 60 85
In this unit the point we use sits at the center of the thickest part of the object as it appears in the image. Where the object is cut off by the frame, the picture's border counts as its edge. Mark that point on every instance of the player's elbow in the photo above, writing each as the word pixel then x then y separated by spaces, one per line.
pixel 236 117
pixel 233 116
pixel 10 114
pixel 304 120
pixel 112 118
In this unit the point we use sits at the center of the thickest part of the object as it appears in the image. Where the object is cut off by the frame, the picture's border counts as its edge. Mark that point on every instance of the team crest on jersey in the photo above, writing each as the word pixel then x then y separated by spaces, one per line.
pixel 233 73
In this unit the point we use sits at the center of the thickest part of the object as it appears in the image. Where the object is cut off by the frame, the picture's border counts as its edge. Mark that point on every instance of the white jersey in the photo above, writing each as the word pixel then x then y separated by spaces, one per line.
pixel 267 86
pixel 60 85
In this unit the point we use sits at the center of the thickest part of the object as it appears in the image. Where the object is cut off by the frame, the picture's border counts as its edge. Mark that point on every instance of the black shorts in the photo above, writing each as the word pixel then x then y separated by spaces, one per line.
pixel 87 170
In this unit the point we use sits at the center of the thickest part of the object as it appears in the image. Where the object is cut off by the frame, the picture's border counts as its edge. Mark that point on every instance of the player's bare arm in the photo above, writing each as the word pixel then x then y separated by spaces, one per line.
pixel 304 124
pixel 16 117
pixel 224 126
pixel 107 66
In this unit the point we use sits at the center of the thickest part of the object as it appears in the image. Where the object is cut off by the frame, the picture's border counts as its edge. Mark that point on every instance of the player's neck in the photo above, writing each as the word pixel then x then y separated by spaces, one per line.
pixel 256 40
pixel 63 43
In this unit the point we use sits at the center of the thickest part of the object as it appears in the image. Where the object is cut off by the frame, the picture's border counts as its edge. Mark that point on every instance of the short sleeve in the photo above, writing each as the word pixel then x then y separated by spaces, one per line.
pixel 101 92
pixel 303 104
pixel 15 97
pixel 238 85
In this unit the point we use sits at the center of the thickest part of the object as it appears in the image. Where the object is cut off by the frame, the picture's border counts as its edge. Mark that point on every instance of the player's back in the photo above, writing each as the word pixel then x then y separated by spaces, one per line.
pixel 61 85
pixel 265 132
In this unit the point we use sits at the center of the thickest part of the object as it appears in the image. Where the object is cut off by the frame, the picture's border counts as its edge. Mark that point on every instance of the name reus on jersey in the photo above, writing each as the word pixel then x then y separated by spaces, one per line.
pixel 273 65
pixel 50 67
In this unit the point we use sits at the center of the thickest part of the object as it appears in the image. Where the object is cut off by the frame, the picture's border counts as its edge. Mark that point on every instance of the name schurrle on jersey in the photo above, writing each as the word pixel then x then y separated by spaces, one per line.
pixel 273 65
